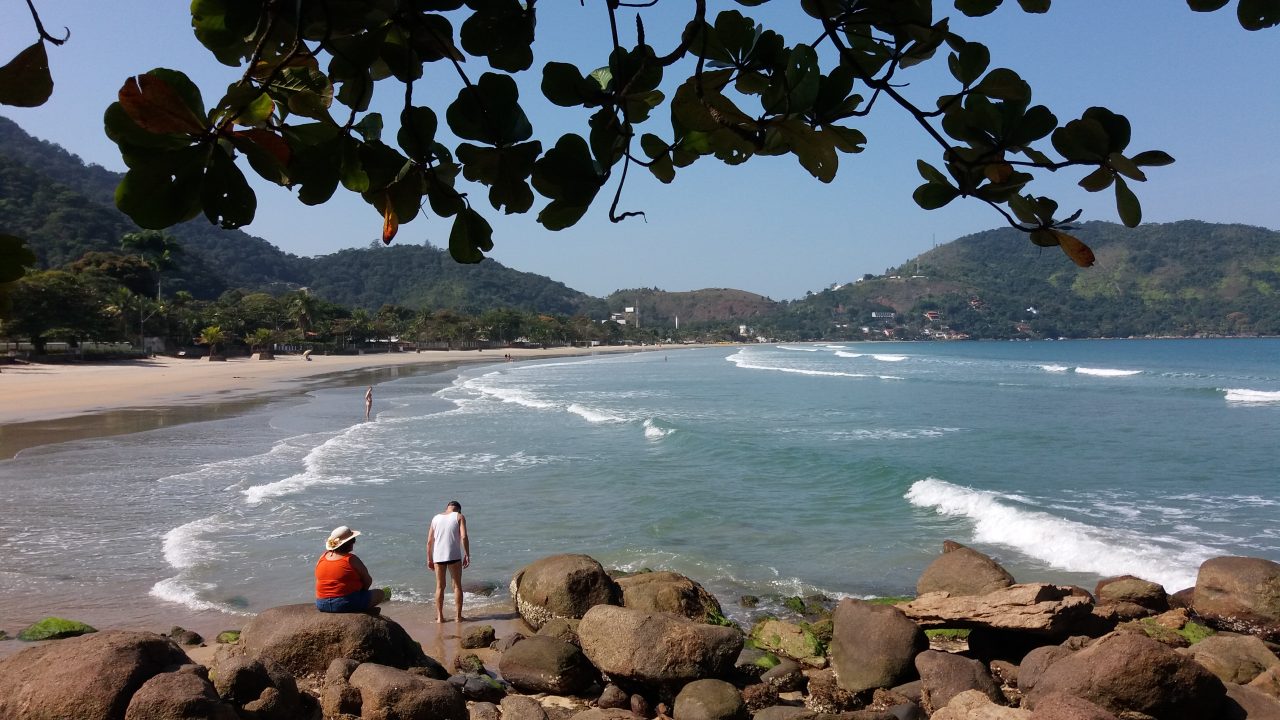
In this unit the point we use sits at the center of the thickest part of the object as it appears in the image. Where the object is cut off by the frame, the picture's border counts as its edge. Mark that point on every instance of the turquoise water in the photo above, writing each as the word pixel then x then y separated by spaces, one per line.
pixel 766 470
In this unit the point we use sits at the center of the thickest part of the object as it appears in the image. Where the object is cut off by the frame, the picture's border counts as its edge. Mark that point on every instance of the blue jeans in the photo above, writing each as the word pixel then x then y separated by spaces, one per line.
pixel 357 601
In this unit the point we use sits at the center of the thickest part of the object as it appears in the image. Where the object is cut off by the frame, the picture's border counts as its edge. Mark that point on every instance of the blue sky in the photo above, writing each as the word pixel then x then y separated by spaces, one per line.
pixel 1195 85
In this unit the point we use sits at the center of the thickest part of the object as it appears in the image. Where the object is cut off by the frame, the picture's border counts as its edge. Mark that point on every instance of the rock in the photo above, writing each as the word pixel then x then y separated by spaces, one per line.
pixel 479 687
pixel 339 699
pixel 1240 594
pixel 85 678
pixel 752 663
pixel 992 644
pixel 1268 682
pixel 781 712
pixel 565 629
pixel 183 636
pixel 1117 612
pixel 54 628
pixel 656 648
pixel 545 664
pixel 1233 658
pixel 1031 607
pixel 507 642
pixel 614 697
pixel 1004 672
pixel 339 671
pixel 1069 707
pixel 975 705
pixel 1183 598
pixel 710 700
pixel 669 592
pixel 468 663
pixel 478 637
pixel 789 640
pixel 561 586
pixel 485 711
pixel 873 645
pixel 1131 673
pixel 519 707
pixel 242 681
pixel 1246 703
pixel 228 637
pixel 963 571
pixel 305 640
pixel 786 676
pixel 603 714
pixel 907 711
pixel 1130 589
pixel 388 692
pixel 944 676
pixel 827 693
pixel 748 601
pixel 1037 662
pixel 178 696
pixel 640 706
pixel 759 696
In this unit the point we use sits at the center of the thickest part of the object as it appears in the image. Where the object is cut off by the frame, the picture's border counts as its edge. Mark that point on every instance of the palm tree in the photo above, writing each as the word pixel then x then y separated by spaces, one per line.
pixel 213 337
pixel 157 249
pixel 302 307
pixel 260 340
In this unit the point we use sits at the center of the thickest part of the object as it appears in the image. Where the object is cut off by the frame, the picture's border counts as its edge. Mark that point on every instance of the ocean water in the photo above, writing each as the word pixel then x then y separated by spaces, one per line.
pixel 770 470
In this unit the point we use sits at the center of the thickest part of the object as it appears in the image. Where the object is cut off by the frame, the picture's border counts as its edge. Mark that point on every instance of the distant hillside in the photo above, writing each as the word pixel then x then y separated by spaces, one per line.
pixel 658 307
pixel 66 208
pixel 1182 278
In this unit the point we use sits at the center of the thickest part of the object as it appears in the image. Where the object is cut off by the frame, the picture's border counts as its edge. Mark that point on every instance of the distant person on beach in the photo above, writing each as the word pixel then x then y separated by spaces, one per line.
pixel 368 402
pixel 448 548
pixel 343 583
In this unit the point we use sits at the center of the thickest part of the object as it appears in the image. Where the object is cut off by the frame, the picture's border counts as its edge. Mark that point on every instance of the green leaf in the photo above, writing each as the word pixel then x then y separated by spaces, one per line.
pixel 370 127
pixel 653 145
pixel 1207 5
pixel 1127 204
pixel 969 62
pixel 977 8
pixel 502 31
pixel 268 153
pixel 563 85
pixel 225 28
pixel 567 175
pixel 930 173
pixel 257 112
pixel 417 135
pixel 489 112
pixel 505 170
pixel 166 191
pixel 1004 84
pixel 1099 179
pixel 225 195
pixel 1082 141
pixel 1044 237
pixel 1125 166
pixel 1035 6
pixel 1152 158
pixel 847 140
pixel 932 195
pixel 470 238
pixel 1258 14
pixel 1116 126
pixel 25 80
pixel 816 153
pixel 663 169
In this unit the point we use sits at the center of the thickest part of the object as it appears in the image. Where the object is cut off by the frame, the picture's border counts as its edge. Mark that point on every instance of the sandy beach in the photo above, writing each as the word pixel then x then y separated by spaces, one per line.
pixel 56 403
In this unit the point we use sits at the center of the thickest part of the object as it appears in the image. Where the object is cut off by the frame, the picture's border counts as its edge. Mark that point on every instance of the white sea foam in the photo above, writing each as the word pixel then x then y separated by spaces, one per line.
pixel 843 354
pixel 594 416
pixel 1062 543
pixel 1244 396
pixel 652 431
pixel 892 434
pixel 312 474
pixel 797 349
pixel 183 546
pixel 1106 372
pixel 1055 368
pixel 743 361
pixel 890 358
pixel 514 396
pixel 175 591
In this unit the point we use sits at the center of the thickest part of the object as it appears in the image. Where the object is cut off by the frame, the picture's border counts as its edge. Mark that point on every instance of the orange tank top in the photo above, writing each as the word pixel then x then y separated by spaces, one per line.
pixel 336 578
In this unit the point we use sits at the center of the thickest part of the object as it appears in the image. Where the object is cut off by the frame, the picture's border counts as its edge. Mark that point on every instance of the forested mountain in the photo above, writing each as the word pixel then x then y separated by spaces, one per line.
pixel 65 208
pixel 1182 278
pixel 658 307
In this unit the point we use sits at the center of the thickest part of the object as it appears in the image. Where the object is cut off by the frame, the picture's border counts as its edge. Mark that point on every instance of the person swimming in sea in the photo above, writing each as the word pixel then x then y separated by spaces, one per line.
pixel 343 583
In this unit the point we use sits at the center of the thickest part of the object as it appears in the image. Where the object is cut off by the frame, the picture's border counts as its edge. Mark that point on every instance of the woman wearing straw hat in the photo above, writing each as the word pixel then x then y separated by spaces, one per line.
pixel 342 581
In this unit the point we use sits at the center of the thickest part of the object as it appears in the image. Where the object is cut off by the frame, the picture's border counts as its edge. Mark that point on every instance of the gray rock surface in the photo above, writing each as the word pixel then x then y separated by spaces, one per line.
pixel 563 586
pixel 656 648
pixel 873 645
pixel 963 571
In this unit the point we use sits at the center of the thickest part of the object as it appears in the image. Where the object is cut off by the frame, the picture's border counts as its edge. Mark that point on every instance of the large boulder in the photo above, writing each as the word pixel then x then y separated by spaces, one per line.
pixel 184 695
pixel 669 592
pixel 873 645
pixel 963 571
pixel 1246 703
pixel 1268 682
pixel 87 678
pixel 543 664
pixel 1240 594
pixel 564 586
pixel 1070 707
pixel 710 700
pixel 1135 674
pixel 305 640
pixel 1127 589
pixel 656 648
pixel 243 681
pixel 789 640
pixel 944 676
pixel 389 693
pixel 1233 658
pixel 975 705
pixel 1036 662
pixel 520 707
pixel 1029 607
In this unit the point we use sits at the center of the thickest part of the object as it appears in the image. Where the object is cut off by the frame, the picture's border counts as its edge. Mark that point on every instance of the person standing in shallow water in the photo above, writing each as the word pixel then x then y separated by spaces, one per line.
pixel 368 402
pixel 448 549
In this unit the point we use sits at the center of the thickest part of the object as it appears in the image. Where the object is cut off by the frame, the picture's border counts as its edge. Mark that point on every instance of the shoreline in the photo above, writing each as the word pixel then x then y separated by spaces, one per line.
pixel 48 404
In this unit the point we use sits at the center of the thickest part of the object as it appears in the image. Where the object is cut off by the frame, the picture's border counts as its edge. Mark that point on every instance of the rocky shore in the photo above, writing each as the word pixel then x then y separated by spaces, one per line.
pixel 972 645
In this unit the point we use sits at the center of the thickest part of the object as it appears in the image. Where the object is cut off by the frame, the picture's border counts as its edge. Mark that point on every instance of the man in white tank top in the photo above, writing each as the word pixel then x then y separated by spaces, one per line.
pixel 448 547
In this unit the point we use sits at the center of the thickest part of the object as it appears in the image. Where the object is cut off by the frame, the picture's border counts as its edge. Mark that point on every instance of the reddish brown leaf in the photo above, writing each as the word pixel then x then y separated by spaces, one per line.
pixel 268 141
pixel 1079 253
pixel 156 107
pixel 390 223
